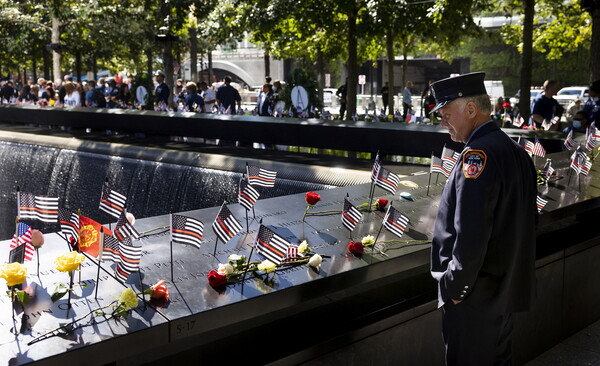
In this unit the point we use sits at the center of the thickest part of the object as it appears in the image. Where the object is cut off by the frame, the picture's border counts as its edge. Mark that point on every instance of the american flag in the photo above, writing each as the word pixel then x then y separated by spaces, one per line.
pixel 23 237
pixel 580 163
pixel 41 208
pixel 124 229
pixel 226 226
pixel 111 201
pixel 527 145
pixel 518 121
pixel 395 221
pixel 258 176
pixel 449 158
pixel 593 138
pixel 292 251
pixel 110 248
pixel 247 195
pixel 569 142
pixel 186 230
pixel 547 170
pixel 129 261
pixel 387 180
pixel 69 223
pixel 538 149
pixel 438 167
pixel 376 165
pixel 540 203
pixel 350 215
pixel 274 247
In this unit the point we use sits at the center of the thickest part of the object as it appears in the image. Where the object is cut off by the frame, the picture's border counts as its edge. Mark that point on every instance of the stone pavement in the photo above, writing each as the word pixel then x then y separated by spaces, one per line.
pixel 581 349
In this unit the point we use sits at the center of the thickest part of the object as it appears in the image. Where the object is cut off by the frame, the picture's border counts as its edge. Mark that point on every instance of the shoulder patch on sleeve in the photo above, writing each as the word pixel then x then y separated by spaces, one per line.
pixel 473 163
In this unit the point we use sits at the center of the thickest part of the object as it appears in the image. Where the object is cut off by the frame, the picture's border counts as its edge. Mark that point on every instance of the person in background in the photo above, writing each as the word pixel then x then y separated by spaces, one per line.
pixel 112 94
pixel 342 94
pixel 72 96
pixel 193 100
pixel 208 95
pixel 385 96
pixel 89 94
pixel 574 107
pixel 25 96
pixel 544 108
pixel 161 92
pixel 483 249
pixel 264 104
pixel 579 123
pixel 407 99
pixel 592 106
pixel 228 96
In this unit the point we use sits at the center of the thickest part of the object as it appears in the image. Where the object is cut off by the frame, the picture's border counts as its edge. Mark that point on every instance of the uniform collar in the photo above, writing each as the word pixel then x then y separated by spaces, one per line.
pixel 484 127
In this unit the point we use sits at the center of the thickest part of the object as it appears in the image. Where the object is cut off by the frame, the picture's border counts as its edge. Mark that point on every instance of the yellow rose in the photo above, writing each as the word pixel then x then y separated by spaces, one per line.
pixel 69 261
pixel 267 266
pixel 129 298
pixel 14 273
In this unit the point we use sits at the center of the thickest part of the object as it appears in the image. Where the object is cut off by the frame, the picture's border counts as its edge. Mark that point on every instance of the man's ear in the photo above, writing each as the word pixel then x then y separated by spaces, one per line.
pixel 472 109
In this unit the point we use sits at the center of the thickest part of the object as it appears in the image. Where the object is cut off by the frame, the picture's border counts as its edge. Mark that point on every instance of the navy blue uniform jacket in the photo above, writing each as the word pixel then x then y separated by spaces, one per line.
pixel 483 249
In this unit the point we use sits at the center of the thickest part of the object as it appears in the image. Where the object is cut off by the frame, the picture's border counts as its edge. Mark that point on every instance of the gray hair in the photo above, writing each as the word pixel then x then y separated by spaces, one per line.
pixel 482 101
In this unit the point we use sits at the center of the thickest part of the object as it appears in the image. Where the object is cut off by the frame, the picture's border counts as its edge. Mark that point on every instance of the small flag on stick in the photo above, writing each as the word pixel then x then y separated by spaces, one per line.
pixel 395 221
pixel 273 246
pixel 247 195
pixel 350 215
pixel 111 201
pixel 23 237
pixel 186 230
pixel 41 208
pixel 258 176
pixel 226 226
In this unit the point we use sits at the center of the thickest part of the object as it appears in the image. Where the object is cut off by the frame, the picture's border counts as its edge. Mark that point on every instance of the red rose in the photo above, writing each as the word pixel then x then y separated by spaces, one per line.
pixel 216 279
pixel 160 291
pixel 431 106
pixel 380 204
pixel 312 198
pixel 355 247
pixel 506 105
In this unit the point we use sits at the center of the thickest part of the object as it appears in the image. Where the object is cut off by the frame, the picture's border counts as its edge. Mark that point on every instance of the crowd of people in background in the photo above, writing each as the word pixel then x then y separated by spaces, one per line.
pixel 152 93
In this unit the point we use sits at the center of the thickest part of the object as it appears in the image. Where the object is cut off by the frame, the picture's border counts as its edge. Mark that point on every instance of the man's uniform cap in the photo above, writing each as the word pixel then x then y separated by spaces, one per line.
pixel 447 90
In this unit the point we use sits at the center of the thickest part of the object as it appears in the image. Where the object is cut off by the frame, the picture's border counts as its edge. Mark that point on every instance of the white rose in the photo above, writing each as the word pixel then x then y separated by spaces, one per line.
pixel 234 257
pixel 315 261
pixel 369 239
pixel 225 269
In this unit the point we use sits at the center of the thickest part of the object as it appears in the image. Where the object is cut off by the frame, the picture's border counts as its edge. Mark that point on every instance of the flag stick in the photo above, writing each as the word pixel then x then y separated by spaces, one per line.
pixel 247 226
pixel 215 251
pixel 100 249
pixel 70 289
pixel 253 212
pixel 437 178
pixel 171 250
pixel 429 183
pixel 142 285
pixel 37 254
pixel 249 259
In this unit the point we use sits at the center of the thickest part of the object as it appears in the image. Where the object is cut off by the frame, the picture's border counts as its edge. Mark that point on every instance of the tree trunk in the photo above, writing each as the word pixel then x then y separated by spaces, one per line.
pixel 526 59
pixel 321 75
pixel 168 66
pixel 78 65
pixel 193 54
pixel 56 57
pixel 94 66
pixel 210 68
pixel 595 46
pixel 267 58
pixel 351 66
pixel 404 65
pixel 389 42
pixel 34 68
pixel 149 62
pixel 46 58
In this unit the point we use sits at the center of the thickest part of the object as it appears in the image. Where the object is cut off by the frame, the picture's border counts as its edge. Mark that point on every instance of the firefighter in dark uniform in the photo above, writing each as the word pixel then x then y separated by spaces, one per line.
pixel 483 249
pixel 161 91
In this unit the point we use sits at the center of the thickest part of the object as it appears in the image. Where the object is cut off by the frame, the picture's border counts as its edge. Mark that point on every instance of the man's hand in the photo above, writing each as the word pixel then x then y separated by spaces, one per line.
pixel 456 302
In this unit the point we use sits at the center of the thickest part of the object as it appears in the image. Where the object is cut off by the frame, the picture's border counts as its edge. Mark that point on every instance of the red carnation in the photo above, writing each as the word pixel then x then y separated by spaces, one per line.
pixel 216 279
pixel 380 204
pixel 312 198
pixel 355 247
pixel 160 291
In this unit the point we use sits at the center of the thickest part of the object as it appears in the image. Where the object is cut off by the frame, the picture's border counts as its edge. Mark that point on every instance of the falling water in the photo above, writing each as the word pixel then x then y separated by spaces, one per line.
pixel 152 188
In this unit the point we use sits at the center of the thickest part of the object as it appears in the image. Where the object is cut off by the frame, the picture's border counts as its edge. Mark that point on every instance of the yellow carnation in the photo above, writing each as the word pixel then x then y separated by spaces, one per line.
pixel 69 261
pixel 368 240
pixel 267 266
pixel 14 273
pixel 129 298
